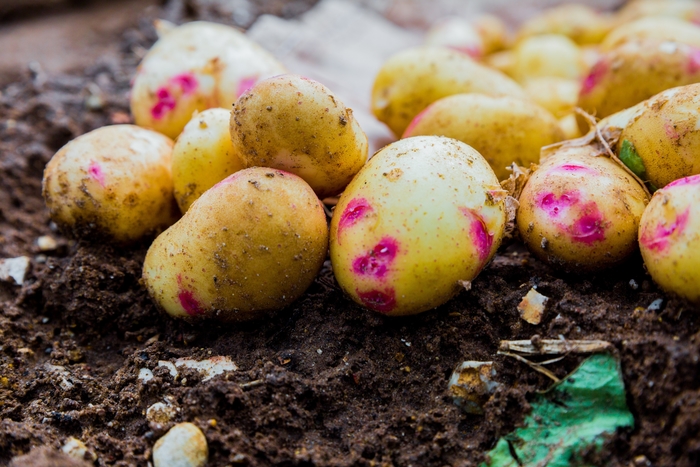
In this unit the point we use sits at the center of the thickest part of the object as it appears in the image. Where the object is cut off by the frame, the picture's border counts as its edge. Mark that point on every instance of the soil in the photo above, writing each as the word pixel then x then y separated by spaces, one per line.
pixel 323 382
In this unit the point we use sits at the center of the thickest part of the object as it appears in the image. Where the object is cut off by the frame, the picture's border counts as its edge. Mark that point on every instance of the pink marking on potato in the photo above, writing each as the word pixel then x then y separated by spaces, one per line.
pixel 245 84
pixel 590 227
pixel 165 103
pixel 692 180
pixel 186 81
pixel 574 168
pixel 594 77
pixel 377 261
pixel 554 206
pixel 411 126
pixel 356 210
pixel 480 236
pixel 473 51
pixel 187 300
pixel 694 61
pixel 383 302
pixel 671 131
pixel 95 172
pixel 660 238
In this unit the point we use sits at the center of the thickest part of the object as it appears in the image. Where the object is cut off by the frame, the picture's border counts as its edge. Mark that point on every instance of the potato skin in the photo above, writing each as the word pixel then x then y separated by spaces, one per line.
pixel 415 78
pixel 522 127
pixel 547 55
pixel 558 95
pixel 669 237
pixel 252 243
pixel 580 213
pixel 634 72
pixel 579 22
pixel 660 29
pixel 423 214
pixel 112 183
pixel 296 124
pixel 458 34
pixel 203 155
pixel 666 135
pixel 193 67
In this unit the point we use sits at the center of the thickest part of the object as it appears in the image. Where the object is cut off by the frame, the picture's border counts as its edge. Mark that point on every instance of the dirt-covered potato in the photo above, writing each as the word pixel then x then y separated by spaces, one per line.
pixel 558 95
pixel 297 124
pixel 579 22
pixel 663 138
pixel 547 55
pixel 196 66
pixel 112 183
pixel 636 71
pixel 203 155
pixel 669 237
pixel 423 215
pixel 252 243
pixel 579 212
pixel 660 29
pixel 415 78
pixel 522 127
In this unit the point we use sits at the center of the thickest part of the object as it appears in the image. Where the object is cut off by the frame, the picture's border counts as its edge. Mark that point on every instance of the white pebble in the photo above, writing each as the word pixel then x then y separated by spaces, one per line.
pixel 46 243
pixel 14 268
pixel 183 446
pixel 78 450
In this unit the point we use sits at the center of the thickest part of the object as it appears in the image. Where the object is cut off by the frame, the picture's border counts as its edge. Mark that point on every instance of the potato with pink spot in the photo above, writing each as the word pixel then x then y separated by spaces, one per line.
pixel 203 156
pixel 423 216
pixel 193 67
pixel 669 237
pixel 252 243
pixel 113 183
pixel 580 213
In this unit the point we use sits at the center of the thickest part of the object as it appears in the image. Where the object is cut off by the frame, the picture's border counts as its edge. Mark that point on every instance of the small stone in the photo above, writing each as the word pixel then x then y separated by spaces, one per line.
pixel 145 375
pixel 471 385
pixel 78 450
pixel 46 243
pixel 183 446
pixel 14 268
pixel 532 307
pixel 161 412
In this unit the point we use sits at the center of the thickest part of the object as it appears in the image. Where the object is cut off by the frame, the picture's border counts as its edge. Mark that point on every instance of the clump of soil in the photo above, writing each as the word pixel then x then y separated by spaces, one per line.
pixel 323 382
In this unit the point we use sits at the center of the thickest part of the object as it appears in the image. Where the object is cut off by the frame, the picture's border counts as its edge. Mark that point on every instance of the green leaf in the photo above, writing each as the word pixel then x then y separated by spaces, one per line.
pixel 571 416
pixel 629 157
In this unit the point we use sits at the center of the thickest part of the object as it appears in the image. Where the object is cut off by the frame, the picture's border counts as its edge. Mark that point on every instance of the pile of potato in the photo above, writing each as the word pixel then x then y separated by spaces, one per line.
pixel 421 219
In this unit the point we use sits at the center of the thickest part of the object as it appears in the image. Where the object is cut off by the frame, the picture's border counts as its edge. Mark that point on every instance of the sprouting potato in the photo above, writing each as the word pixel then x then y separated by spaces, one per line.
pixel 579 22
pixel 203 155
pixel 663 138
pixel 636 71
pixel 458 34
pixel 415 78
pixel 547 55
pixel 193 67
pixel 580 213
pixel 296 124
pixel 522 127
pixel 423 215
pixel 669 237
pixel 113 183
pixel 558 95
pixel 252 243
pixel 660 29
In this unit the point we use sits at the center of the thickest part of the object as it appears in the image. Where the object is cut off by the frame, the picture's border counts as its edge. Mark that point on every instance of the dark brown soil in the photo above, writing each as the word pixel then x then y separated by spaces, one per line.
pixel 334 385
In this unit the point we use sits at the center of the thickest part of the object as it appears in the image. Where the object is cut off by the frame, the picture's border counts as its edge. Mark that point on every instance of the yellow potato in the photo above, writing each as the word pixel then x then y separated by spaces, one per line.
pixel 558 95
pixel 501 61
pixel 296 124
pixel 580 213
pixel 493 32
pixel 196 66
pixel 203 155
pixel 547 55
pixel 660 29
pixel 502 129
pixel 458 34
pixel 665 135
pixel 569 126
pixel 688 10
pixel 634 72
pixel 252 243
pixel 113 182
pixel 579 22
pixel 669 237
pixel 423 215
pixel 413 79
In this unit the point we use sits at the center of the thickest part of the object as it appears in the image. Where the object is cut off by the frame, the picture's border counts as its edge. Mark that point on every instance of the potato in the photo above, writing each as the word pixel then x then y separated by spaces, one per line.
pixel 458 34
pixel 636 71
pixel 660 29
pixel 580 213
pixel 547 55
pixel 424 214
pixel 665 136
pixel 296 124
pixel 252 243
pixel 203 156
pixel 112 183
pixel 493 32
pixel 415 78
pixel 502 129
pixel 558 95
pixel 669 237
pixel 196 66
pixel 569 126
pixel 687 10
pixel 579 22
pixel 501 61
